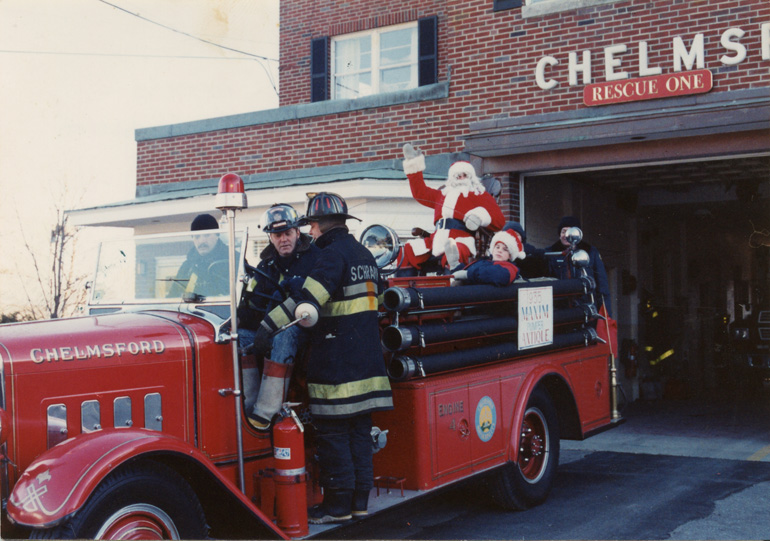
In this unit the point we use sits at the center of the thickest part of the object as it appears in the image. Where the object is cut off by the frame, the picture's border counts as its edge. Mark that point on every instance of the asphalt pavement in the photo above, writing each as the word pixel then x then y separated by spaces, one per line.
pixel 733 428
pixel 674 470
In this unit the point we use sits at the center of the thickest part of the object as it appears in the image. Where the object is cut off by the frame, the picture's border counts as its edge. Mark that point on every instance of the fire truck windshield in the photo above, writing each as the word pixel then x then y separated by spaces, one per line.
pixel 168 268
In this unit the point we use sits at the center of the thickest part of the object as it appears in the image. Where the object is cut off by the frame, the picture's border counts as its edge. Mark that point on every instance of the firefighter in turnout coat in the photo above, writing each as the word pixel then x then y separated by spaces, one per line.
pixel 459 210
pixel 346 375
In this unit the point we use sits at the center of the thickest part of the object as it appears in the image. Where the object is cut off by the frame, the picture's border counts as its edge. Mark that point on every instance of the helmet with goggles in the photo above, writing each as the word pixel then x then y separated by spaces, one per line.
pixel 280 217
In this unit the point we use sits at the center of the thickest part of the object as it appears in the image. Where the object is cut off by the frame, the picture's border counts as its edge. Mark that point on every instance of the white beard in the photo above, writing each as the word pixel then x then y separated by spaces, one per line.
pixel 463 186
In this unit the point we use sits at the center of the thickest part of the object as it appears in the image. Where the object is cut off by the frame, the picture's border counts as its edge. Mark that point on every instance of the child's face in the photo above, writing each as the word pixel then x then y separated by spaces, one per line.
pixel 500 252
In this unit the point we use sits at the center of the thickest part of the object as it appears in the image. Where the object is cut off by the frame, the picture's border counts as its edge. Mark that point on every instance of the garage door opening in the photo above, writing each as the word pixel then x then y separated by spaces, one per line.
pixel 687 250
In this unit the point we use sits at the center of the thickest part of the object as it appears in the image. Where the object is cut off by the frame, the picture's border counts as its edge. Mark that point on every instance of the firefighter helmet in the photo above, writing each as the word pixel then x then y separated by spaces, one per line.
pixel 279 218
pixel 326 204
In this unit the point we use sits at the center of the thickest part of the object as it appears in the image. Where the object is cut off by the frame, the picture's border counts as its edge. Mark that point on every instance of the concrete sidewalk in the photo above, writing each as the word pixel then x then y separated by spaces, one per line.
pixel 729 427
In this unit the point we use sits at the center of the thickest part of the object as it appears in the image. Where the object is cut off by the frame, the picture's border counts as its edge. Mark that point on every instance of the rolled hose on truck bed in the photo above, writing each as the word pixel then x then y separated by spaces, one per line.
pixel 399 299
pixel 404 367
pixel 399 338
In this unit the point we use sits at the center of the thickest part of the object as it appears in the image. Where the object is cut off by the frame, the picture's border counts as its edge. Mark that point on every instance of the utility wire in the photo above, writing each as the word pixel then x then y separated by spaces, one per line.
pixel 64 53
pixel 258 57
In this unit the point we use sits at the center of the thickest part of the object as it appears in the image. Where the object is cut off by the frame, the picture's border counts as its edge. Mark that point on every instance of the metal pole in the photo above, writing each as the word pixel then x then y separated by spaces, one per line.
pixel 613 368
pixel 230 213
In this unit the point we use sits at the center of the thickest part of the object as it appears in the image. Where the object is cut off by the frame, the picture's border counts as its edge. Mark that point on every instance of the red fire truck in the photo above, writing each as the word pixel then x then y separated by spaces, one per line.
pixel 128 422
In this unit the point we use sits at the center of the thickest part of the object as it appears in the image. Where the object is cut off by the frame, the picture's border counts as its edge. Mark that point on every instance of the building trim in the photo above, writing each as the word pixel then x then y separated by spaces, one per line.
pixel 295 112
pixel 725 112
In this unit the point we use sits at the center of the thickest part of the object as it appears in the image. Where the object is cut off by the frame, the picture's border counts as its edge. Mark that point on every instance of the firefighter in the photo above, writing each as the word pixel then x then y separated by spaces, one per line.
pixel 346 375
pixel 460 209
pixel 285 262
pixel 560 268
pixel 204 271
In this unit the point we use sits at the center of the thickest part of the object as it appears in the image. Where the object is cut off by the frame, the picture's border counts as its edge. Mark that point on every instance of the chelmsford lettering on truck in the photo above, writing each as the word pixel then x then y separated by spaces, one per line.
pixel 82 353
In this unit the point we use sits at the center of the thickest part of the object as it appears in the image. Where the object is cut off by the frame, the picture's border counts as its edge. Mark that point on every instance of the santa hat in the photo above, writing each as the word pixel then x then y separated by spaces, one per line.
pixel 512 241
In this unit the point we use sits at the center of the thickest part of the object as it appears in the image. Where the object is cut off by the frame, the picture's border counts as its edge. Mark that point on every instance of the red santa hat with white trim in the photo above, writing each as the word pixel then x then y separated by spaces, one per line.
pixel 512 241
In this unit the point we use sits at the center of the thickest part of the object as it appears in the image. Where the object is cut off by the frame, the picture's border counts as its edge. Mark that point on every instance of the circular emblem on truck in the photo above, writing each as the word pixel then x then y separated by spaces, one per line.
pixel 486 419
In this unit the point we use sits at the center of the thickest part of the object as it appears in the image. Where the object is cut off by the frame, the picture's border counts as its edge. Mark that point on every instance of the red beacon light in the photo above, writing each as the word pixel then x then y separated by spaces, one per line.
pixel 230 194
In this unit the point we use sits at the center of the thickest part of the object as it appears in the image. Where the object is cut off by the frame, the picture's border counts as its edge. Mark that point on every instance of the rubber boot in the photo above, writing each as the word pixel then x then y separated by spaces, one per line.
pixel 452 253
pixel 271 394
pixel 360 502
pixel 336 507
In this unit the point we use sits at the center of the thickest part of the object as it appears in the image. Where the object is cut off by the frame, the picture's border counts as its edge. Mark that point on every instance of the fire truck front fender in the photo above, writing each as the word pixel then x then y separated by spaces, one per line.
pixel 60 480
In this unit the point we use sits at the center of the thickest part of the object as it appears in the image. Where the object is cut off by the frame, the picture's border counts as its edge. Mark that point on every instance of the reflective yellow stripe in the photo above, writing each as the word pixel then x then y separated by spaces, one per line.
pixel 347 390
pixel 251 285
pixel 665 355
pixel 357 289
pixel 381 402
pixel 353 306
pixel 280 315
pixel 318 291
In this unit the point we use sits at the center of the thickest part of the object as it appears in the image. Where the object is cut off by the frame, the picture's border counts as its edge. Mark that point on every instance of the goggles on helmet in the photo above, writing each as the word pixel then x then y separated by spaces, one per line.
pixel 279 218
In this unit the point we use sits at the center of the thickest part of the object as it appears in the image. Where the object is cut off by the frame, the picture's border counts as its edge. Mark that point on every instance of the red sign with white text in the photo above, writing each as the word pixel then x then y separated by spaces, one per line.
pixel 648 88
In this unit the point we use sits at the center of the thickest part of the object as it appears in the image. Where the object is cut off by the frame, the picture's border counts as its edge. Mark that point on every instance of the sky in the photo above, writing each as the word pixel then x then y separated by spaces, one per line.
pixel 78 77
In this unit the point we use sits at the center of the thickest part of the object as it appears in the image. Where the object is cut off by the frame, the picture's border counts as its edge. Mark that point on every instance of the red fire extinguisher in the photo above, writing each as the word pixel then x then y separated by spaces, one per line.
pixel 290 475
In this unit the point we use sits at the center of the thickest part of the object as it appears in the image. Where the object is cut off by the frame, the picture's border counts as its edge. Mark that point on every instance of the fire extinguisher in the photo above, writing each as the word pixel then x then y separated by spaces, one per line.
pixel 290 474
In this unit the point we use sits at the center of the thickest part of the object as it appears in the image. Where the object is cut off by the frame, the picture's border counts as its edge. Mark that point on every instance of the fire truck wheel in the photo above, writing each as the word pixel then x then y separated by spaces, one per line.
pixel 528 481
pixel 147 501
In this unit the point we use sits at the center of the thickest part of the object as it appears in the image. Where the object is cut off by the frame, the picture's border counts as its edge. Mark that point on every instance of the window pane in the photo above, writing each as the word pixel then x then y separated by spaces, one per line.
pixel 353 86
pixel 351 55
pixel 396 47
pixel 395 79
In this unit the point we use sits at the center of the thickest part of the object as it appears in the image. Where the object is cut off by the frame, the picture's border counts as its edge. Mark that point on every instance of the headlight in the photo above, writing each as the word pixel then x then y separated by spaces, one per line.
pixel 741 334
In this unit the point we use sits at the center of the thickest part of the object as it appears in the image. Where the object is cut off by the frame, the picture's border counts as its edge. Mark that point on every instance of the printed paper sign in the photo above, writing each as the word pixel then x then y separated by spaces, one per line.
pixel 535 317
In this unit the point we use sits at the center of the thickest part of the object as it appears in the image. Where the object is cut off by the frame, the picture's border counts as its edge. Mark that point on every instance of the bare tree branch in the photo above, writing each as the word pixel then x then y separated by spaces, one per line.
pixel 60 288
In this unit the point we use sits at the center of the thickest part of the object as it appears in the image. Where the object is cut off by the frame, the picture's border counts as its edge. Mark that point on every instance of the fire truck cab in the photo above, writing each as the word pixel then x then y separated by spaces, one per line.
pixel 128 421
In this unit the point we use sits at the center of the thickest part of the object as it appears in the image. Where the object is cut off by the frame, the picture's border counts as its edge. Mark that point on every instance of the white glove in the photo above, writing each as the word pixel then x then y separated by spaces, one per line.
pixel 414 160
pixel 410 152
pixel 461 275
pixel 472 222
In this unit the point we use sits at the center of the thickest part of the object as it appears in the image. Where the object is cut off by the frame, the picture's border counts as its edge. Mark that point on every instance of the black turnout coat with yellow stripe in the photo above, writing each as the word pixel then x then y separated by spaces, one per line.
pixel 346 373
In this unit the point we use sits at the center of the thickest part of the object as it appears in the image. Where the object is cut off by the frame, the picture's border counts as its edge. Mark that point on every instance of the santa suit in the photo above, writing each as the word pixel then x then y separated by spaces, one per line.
pixel 454 212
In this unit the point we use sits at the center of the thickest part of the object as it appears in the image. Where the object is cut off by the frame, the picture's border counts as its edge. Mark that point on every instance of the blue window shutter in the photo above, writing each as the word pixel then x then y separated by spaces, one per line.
pixel 427 51
pixel 502 5
pixel 319 69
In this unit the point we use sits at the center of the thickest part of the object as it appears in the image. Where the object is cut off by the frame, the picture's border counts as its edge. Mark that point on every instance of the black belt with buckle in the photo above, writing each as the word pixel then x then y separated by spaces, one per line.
pixel 451 223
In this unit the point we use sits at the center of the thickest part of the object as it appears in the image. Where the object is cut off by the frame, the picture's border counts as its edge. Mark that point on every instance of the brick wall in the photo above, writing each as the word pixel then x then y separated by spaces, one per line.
pixel 492 57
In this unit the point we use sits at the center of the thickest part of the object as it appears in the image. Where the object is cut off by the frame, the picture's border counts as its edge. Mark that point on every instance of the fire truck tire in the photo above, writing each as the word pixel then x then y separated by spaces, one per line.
pixel 149 500
pixel 528 481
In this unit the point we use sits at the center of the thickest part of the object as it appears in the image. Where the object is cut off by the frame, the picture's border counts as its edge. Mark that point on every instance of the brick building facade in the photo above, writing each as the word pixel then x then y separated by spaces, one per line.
pixel 649 120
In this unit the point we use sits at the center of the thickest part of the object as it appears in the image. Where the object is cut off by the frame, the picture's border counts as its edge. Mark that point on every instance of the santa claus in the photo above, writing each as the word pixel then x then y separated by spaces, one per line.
pixel 460 208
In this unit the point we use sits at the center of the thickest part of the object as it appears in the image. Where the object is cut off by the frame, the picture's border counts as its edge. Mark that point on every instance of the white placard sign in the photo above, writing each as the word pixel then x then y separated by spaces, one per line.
pixel 535 317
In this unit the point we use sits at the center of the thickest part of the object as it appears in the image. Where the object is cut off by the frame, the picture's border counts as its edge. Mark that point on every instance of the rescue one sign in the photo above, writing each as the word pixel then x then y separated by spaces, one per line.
pixel 535 317
pixel 648 88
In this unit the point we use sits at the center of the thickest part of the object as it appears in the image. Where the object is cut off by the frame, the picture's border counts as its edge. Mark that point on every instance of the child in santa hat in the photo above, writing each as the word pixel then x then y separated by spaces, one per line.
pixel 506 247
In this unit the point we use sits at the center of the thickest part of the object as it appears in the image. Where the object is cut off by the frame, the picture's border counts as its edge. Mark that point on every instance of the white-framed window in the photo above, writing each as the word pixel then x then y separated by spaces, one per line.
pixel 375 61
